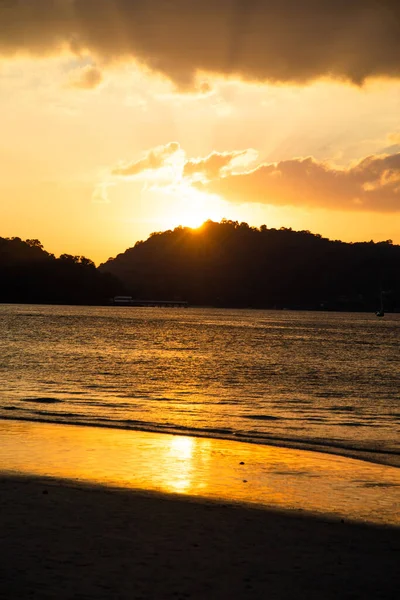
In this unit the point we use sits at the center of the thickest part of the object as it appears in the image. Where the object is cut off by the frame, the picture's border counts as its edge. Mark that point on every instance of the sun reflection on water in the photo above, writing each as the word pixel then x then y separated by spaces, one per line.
pixel 212 468
pixel 181 451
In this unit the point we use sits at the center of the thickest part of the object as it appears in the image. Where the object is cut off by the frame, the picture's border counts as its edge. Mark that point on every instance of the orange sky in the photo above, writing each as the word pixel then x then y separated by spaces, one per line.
pixel 119 121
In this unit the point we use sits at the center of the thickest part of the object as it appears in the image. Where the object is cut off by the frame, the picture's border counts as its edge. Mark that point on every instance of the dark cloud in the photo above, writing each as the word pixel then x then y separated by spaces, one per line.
pixel 86 78
pixel 373 184
pixel 154 159
pixel 211 166
pixel 285 40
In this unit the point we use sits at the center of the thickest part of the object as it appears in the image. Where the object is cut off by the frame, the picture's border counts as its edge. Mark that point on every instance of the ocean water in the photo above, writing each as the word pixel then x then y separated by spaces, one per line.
pixel 324 381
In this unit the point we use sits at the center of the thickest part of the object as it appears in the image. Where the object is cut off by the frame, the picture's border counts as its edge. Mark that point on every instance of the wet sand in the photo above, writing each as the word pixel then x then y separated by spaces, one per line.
pixel 276 478
pixel 60 539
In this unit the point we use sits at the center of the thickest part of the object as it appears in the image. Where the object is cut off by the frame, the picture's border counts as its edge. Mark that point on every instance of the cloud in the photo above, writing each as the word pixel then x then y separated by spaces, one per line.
pixel 394 138
pixel 206 168
pixel 86 78
pixel 100 193
pixel 372 184
pixel 213 165
pixel 285 41
pixel 155 159
pixel 204 87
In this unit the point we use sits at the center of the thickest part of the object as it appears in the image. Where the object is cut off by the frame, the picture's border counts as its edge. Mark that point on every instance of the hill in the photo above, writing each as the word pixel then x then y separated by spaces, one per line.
pixel 230 264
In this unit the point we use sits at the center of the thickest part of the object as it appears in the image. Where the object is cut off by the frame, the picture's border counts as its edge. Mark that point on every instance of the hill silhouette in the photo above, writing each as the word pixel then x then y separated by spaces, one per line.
pixel 29 274
pixel 230 264
pixel 227 264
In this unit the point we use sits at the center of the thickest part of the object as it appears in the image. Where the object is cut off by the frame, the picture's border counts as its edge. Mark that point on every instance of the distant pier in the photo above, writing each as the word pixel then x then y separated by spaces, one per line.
pixel 130 301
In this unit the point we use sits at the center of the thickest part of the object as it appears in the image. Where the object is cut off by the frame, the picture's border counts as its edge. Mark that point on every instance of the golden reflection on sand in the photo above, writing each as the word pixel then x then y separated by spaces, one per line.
pixel 212 468
pixel 181 452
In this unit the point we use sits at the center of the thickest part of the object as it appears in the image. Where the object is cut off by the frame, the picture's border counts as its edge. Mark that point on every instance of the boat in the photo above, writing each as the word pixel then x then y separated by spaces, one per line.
pixel 381 311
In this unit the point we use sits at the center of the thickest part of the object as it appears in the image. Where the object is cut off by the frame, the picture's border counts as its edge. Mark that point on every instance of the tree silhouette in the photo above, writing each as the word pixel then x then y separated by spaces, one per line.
pixel 30 274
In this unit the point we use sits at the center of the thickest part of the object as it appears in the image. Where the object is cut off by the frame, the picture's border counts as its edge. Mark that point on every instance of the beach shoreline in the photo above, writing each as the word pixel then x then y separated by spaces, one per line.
pixel 66 539
pixel 227 471
pixel 380 457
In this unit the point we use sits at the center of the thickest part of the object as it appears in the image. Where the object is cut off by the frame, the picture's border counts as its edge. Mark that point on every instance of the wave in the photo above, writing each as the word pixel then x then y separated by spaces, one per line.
pixel 353 424
pixel 384 456
pixel 42 400
pixel 263 417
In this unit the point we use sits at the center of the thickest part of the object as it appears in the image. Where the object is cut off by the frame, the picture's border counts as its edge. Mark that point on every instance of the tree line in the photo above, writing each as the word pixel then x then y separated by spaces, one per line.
pixel 29 274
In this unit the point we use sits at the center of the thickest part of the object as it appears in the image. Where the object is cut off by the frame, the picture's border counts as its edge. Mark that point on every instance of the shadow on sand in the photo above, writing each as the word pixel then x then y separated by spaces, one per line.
pixel 60 540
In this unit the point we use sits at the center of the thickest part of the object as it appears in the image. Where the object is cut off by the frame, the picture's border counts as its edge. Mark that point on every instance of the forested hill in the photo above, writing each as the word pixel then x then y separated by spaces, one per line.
pixel 30 274
pixel 234 265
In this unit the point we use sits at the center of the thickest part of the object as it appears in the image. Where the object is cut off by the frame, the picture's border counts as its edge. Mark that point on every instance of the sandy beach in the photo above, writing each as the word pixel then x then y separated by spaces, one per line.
pixel 60 540
pixel 91 513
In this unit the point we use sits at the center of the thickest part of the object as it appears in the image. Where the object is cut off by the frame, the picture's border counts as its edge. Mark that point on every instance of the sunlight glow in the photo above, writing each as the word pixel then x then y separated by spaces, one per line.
pixel 191 208
pixel 181 453
pixel 182 447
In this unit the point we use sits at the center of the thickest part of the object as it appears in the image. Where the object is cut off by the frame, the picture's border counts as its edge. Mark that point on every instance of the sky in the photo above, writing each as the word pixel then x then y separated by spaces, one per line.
pixel 124 117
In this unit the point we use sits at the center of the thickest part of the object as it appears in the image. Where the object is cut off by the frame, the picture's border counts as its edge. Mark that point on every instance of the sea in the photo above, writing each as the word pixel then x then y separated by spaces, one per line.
pixel 324 381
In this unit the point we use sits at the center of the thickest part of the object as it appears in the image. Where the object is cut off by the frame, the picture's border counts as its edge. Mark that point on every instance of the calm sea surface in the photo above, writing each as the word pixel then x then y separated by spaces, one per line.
pixel 327 381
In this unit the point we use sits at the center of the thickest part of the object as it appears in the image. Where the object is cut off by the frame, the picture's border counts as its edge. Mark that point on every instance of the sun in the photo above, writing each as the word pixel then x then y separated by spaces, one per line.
pixel 191 208
pixel 194 215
